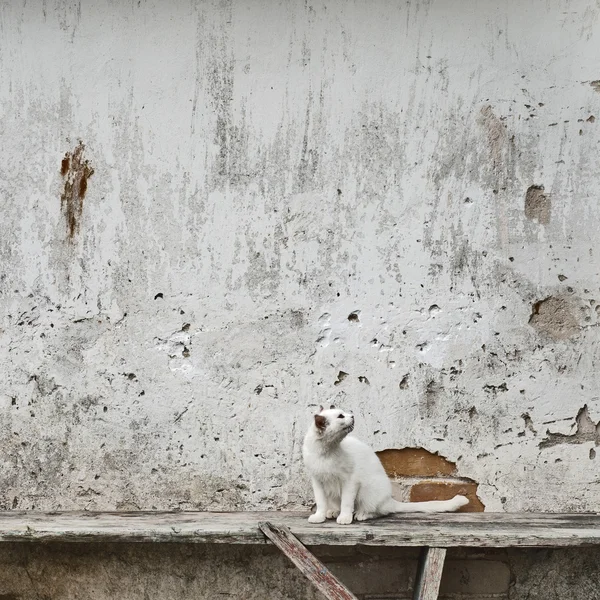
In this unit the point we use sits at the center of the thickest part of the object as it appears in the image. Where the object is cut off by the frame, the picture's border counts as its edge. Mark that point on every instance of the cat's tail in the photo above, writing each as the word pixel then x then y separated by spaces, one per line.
pixel 432 506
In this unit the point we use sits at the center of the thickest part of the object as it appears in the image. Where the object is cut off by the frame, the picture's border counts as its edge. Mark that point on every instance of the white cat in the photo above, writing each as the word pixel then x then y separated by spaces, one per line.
pixel 348 478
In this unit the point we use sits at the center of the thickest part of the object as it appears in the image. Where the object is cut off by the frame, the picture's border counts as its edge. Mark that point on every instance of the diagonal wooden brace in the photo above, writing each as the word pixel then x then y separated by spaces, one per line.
pixel 312 568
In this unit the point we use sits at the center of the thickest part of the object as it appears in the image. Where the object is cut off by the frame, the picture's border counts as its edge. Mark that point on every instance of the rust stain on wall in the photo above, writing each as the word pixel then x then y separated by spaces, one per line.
pixel 75 171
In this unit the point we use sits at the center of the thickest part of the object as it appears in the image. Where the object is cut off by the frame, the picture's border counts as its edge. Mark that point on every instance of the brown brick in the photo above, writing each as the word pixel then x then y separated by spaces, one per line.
pixel 415 462
pixel 444 489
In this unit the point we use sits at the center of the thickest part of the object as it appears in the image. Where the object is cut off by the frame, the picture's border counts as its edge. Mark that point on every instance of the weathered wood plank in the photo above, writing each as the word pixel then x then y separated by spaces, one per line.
pixel 429 576
pixel 312 568
pixel 496 530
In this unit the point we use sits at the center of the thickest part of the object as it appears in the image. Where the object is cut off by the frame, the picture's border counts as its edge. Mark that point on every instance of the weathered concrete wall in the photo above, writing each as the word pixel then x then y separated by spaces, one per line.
pixel 213 211
pixel 193 571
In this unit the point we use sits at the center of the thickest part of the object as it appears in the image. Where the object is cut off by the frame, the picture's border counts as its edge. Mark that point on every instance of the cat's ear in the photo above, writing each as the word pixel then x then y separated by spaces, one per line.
pixel 321 408
pixel 332 406
pixel 320 422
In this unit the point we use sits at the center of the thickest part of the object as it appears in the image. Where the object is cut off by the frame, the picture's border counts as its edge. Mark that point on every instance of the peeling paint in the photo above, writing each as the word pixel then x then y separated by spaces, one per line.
pixel 586 431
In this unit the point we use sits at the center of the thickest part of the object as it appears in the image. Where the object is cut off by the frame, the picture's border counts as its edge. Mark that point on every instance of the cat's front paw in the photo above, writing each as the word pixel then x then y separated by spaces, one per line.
pixel 332 514
pixel 316 518
pixel 345 519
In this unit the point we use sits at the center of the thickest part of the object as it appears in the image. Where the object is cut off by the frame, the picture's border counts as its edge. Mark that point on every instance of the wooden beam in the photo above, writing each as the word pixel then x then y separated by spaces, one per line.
pixel 475 530
pixel 312 568
pixel 429 575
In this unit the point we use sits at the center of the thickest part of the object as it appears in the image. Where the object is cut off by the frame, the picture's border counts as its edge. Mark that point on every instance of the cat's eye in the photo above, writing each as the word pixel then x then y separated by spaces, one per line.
pixel 340 416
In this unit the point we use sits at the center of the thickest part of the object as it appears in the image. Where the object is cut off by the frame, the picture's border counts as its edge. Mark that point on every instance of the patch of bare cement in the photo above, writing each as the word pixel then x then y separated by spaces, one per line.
pixel 587 431
pixel 537 204
pixel 555 317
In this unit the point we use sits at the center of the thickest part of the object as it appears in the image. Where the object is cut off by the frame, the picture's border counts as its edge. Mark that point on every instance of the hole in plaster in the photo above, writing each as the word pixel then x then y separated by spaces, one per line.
pixel 159 295
pixel 528 422
pixel 488 387
pixel 341 376
pixel 434 309
pixel 353 316
pixel 65 164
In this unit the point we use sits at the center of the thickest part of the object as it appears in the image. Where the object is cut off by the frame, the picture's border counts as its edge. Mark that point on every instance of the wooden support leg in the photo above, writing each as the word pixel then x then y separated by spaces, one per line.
pixel 429 575
pixel 312 568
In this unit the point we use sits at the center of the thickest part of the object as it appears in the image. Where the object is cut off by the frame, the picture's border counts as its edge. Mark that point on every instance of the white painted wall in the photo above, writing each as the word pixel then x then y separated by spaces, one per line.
pixel 270 168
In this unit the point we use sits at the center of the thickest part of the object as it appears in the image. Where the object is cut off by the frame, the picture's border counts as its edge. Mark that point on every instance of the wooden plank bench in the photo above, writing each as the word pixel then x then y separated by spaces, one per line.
pixel 291 533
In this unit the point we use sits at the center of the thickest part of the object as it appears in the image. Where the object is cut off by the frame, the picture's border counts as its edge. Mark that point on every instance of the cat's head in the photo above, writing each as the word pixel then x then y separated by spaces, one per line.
pixel 333 424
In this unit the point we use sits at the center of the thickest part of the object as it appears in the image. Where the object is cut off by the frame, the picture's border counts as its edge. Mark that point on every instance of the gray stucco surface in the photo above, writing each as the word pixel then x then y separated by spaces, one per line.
pixel 258 173
pixel 217 215
pixel 185 571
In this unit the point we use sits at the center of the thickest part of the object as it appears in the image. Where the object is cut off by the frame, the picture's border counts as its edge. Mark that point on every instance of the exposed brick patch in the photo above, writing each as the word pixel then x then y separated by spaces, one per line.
pixel 440 489
pixel 415 462
pixel 419 475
